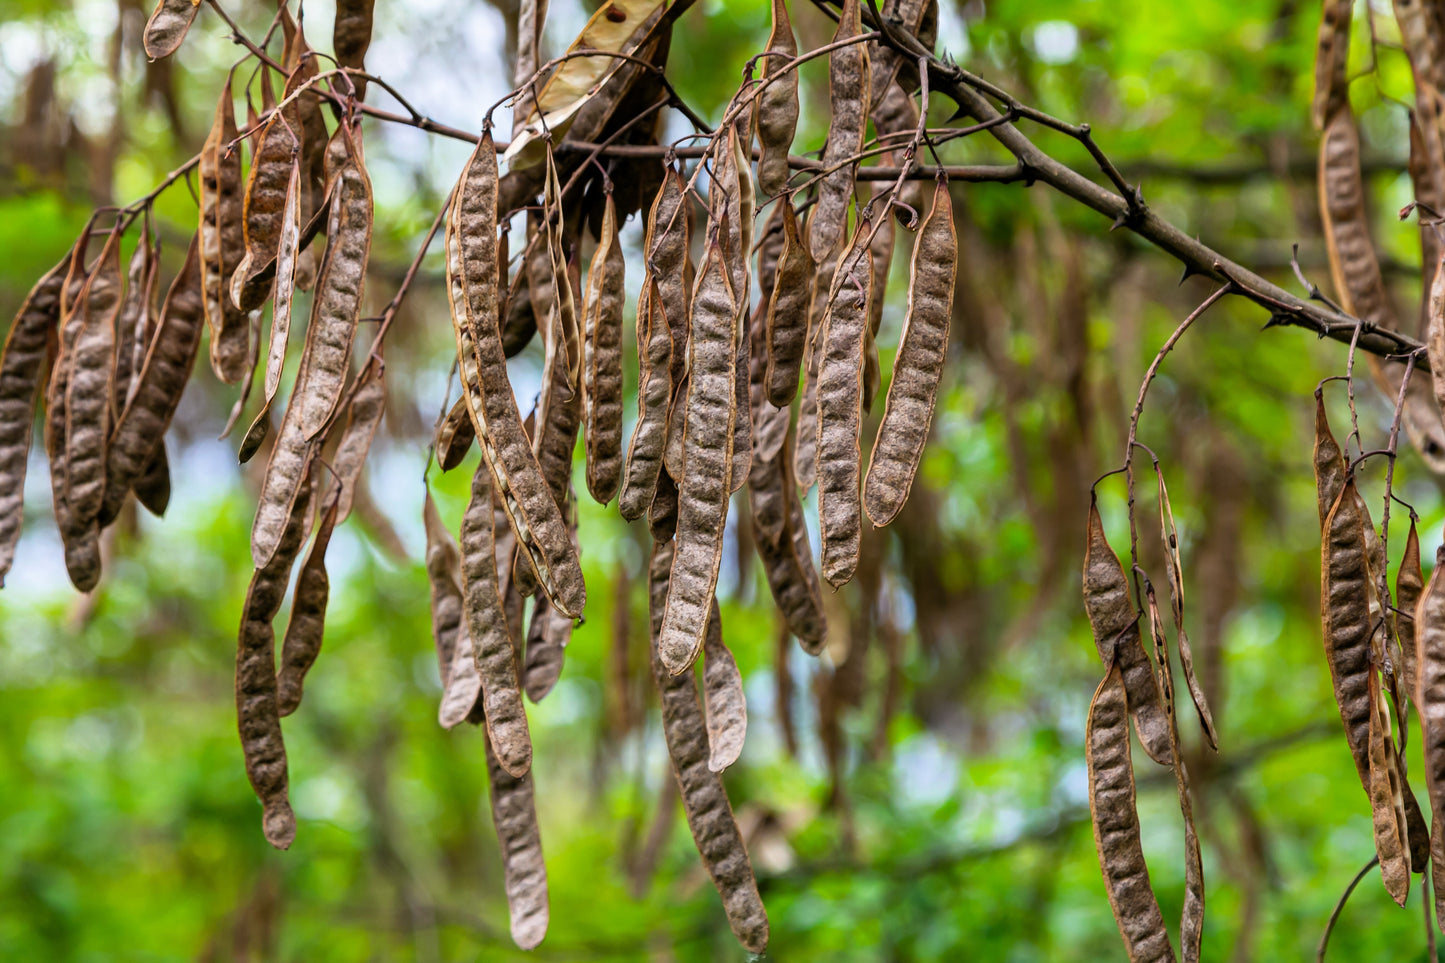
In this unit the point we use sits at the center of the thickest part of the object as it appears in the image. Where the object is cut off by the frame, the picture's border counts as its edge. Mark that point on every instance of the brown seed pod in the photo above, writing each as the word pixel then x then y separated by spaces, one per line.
pixel 1329 461
pixel 918 367
pixel 257 713
pixel 223 241
pixel 787 322
pixel 840 403
pixel 281 484
pixel 777 105
pixel 781 537
pixel 274 175
pixel 337 305
pixel 1332 54
pixel 307 626
pixel 1119 641
pixel 880 251
pixel 351 36
pixel 1175 567
pixel 514 816
pixel 487 626
pixel 654 390
pixel 461 685
pixel 709 814
pixel 132 324
pixel 558 417
pixel 22 372
pixel 848 87
pixel 1430 698
pixel 667 249
pixel 91 385
pixel 805 453
pixel 287 261
pixel 1116 824
pixel 548 634
pixel 726 705
pixel 163 378
pixel 455 436
pixel 703 497
pixel 1386 800
pixel 153 487
pixel 167 26
pixel 1409 586
pixel 564 300
pixel 602 361
pixel 363 417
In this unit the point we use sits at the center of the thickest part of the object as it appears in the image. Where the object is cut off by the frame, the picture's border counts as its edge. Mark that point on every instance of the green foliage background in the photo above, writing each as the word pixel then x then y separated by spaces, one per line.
pixel 127 828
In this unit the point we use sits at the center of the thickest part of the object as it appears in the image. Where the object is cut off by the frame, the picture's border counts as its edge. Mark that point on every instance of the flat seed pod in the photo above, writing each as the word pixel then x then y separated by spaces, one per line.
pixel 1430 699
pixel 1409 586
pixel 777 105
pixel 787 323
pixel 705 800
pixel 703 494
pixel 1329 461
pixel 514 816
pixel 363 417
pixel 805 453
pixel 1332 54
pixel 304 632
pixel 274 176
pixel 1119 640
pixel 667 250
pixel 287 262
pixel 726 705
pixel 840 412
pixel 223 241
pixel 163 378
pixel 281 484
pixel 1175 567
pixel 654 390
pixel 780 535
pixel 455 436
pixel 131 325
pixel 602 361
pixel 1386 800
pixel 167 26
pixel 91 386
pixel 153 487
pixel 351 36
pixel 22 372
pixel 337 305
pixel 1116 824
pixel 258 716
pixel 491 640
pixel 558 419
pixel 918 367
pixel 848 86
pixel 548 634
pixel 461 685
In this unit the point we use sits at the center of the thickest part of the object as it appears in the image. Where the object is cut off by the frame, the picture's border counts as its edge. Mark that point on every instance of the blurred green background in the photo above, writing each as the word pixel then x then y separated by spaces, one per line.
pixel 931 801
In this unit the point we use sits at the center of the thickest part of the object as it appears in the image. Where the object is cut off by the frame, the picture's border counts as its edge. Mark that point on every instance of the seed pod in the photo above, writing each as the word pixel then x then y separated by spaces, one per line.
pixel 281 484
pixel 1117 637
pixel 91 385
pixel 1175 568
pixel 781 537
pixel 1328 460
pixel 257 713
pixel 918 367
pixel 167 26
pixel 777 109
pixel 22 372
pixel 455 436
pixel 1386 800
pixel 805 454
pixel 558 417
pixel 153 487
pixel 1430 698
pixel 131 324
pixel 1409 586
pixel 602 361
pixel 337 305
pixel 456 664
pixel 487 625
pixel 223 241
pixel 1116 824
pixel 351 36
pixel 848 86
pixel 709 814
pixel 514 816
pixel 703 497
pixel 307 123
pixel 727 706
pixel 304 632
pixel 273 178
pixel 1332 54
pixel 163 377
pixel 787 323
pixel 654 390
pixel 548 634
pixel 531 509
pixel 287 262
pixel 564 301
pixel 363 417
pixel 840 402
pixel 667 249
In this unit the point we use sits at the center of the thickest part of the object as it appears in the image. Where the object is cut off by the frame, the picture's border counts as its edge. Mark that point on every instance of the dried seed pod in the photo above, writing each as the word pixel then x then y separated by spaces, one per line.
pixel 162 380
pixel 880 251
pixel 1332 54
pixel 257 713
pixel 548 634
pixel 239 407
pixel 727 706
pixel 1175 567
pixel 840 414
pixel 531 509
pixel 709 814
pixel 22 372
pixel 848 87
pixel 1409 586
pixel 654 390
pixel 703 497
pixel 1430 699
pixel 274 176
pixel 91 385
pixel 564 301
pixel 223 241
pixel 918 368
pixel 1116 823
pixel 781 537
pixel 304 632
pixel 167 26
pixel 1329 461
pixel 777 105
pixel 153 487
pixel 602 361
pixel 132 324
pixel 787 323
pixel 281 484
pixel 667 250
pixel 363 417
pixel 487 625
pixel 351 36
pixel 805 454
pixel 461 685
pixel 514 816
pixel 287 262
pixel 1119 641
pixel 455 436
pixel 742 236
pixel 1386 800
pixel 337 305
